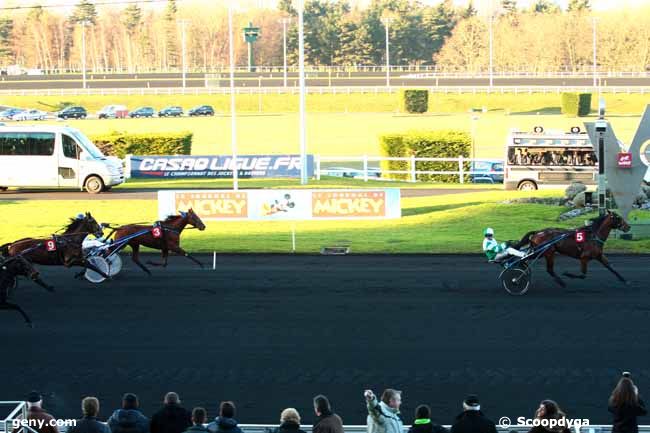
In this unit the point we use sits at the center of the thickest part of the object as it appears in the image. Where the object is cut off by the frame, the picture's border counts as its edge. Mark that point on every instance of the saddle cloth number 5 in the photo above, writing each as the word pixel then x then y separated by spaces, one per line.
pixel 50 245
pixel 156 232
pixel 580 237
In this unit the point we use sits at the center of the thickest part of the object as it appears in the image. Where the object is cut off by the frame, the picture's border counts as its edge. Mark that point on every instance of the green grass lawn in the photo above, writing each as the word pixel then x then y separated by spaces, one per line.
pixel 441 224
pixel 338 134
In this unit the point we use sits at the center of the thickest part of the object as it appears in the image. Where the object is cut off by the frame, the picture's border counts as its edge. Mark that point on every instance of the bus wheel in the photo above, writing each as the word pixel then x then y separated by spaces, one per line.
pixel 94 185
pixel 527 185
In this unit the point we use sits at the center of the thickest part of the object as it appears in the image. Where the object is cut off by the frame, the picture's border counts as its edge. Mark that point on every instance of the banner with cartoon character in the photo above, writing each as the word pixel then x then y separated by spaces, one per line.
pixel 288 205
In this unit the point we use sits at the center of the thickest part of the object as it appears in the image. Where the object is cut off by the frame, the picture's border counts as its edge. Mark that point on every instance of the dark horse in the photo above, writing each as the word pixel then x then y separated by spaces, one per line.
pixel 64 249
pixel 590 248
pixel 10 269
pixel 167 238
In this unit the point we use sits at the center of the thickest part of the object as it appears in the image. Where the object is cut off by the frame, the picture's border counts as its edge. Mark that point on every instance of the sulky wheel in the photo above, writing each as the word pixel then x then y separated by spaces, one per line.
pixel 101 264
pixel 516 280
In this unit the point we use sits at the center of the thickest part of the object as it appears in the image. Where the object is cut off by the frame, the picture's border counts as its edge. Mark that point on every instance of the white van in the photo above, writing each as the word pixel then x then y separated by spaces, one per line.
pixel 113 112
pixel 50 156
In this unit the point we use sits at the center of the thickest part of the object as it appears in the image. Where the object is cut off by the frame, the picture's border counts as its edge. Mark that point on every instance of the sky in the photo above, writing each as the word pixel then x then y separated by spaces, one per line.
pixel 481 5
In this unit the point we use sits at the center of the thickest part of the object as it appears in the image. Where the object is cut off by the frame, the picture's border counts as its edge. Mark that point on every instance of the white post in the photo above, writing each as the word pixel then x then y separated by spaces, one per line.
pixel 365 168
pixel 259 94
pixel 413 175
pixel 83 53
pixel 127 166
pixel 594 52
pixel 387 21
pixel 183 49
pixel 233 119
pixel 293 237
pixel 461 169
pixel 284 22
pixel 301 73
pixel 214 260
pixel 317 167
pixel 491 49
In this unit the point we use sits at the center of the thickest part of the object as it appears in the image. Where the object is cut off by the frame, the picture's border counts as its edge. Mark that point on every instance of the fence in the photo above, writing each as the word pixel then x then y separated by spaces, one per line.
pixel 366 172
pixel 334 90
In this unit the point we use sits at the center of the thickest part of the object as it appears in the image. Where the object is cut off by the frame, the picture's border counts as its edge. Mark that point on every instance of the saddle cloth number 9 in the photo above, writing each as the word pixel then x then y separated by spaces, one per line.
pixel 156 232
pixel 50 245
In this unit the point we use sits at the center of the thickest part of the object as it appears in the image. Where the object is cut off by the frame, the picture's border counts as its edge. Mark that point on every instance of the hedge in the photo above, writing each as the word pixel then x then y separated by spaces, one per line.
pixel 414 101
pixel 426 144
pixel 120 144
pixel 576 104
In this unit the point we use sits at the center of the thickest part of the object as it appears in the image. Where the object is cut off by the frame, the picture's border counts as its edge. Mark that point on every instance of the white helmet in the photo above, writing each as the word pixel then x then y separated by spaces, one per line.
pixel 488 232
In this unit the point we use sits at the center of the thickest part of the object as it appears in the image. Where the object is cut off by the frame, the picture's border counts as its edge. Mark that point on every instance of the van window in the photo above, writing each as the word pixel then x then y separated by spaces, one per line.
pixel 70 149
pixel 27 144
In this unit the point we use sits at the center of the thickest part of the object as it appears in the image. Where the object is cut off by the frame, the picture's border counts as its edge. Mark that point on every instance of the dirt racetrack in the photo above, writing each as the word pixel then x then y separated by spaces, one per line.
pixel 272 331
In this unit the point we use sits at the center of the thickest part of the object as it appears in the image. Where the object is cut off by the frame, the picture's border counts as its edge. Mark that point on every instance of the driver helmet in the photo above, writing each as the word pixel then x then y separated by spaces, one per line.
pixel 488 232
pixel 80 216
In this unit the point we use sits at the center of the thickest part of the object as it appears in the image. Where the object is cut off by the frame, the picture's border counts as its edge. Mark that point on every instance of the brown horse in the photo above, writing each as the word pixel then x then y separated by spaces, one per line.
pixel 64 249
pixel 583 244
pixel 162 235
pixel 10 269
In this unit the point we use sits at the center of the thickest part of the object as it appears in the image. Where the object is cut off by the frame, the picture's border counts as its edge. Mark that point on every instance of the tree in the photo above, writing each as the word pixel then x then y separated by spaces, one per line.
pixel 439 22
pixel 509 6
pixel 131 18
pixel 578 5
pixel 470 10
pixel 85 11
pixel 6 29
pixel 286 6
pixel 171 57
pixel 545 7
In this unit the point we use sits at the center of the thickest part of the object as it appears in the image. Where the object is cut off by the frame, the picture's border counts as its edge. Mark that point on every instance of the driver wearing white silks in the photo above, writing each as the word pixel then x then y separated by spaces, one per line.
pixel 497 251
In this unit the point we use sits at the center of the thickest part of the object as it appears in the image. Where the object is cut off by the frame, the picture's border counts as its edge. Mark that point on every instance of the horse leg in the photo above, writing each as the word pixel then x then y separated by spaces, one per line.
pixel 9 306
pixel 135 256
pixel 43 284
pixel 550 263
pixel 583 269
pixel 165 256
pixel 181 252
pixel 602 259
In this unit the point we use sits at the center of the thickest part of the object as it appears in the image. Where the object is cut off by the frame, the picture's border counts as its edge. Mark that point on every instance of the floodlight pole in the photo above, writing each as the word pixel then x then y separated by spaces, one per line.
pixel 601 129
pixel 387 21
pixel 301 73
pixel 233 118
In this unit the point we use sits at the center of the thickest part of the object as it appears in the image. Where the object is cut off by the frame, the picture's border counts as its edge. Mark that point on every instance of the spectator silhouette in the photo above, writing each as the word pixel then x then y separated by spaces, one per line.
pixel 172 418
pixel 423 424
pixel 383 416
pixel 472 420
pixel 328 421
pixel 129 419
pixel 89 422
pixel 225 422
pixel 626 405
pixel 199 417
pixel 549 410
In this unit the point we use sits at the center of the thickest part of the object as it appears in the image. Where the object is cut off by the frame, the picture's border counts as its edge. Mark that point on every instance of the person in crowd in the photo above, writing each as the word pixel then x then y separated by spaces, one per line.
pixel 128 419
pixel 548 410
pixel 225 422
pixel 626 405
pixel 384 416
pixel 89 422
pixel 289 422
pixel 172 418
pixel 526 159
pixel 472 420
pixel 327 421
pixel 423 424
pixel 35 412
pixel 199 417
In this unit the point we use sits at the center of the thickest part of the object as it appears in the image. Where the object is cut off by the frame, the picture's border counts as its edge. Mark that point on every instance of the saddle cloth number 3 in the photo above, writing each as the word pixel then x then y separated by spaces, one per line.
pixel 156 232
pixel 580 237
pixel 50 245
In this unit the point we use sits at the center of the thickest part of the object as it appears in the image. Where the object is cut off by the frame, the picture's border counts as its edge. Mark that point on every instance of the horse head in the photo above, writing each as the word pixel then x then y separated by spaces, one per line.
pixel 90 225
pixel 193 219
pixel 618 222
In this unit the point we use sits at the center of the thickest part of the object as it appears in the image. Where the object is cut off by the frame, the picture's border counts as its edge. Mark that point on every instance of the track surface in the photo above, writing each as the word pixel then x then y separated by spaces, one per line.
pixel 151 194
pixel 270 332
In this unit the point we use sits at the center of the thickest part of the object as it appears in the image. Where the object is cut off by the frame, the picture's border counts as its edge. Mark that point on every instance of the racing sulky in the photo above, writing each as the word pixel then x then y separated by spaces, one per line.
pixel 10 270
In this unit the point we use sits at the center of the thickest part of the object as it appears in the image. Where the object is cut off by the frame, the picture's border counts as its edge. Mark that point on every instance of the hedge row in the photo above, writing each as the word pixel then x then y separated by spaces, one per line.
pixel 120 144
pixel 426 144
pixel 576 104
pixel 414 101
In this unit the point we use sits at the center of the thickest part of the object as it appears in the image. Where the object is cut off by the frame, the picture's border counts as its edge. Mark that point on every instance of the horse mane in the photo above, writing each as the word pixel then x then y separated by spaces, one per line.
pixel 74 224
pixel 171 218
pixel 598 221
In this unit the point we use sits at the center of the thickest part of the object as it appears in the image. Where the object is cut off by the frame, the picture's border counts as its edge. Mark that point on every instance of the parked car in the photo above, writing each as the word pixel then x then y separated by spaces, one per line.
pixel 113 112
pixel 487 172
pixel 9 112
pixel 201 110
pixel 172 111
pixel 351 172
pixel 32 114
pixel 142 112
pixel 72 112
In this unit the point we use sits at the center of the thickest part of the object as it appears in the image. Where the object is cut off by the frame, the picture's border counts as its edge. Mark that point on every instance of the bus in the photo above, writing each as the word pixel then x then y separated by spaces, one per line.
pixel 552 159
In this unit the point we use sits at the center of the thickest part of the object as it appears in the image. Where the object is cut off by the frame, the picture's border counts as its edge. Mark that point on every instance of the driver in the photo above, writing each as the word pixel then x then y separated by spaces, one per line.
pixel 497 251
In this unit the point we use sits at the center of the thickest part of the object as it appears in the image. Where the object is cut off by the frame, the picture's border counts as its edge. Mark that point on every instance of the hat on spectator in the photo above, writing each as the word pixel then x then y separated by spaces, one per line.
pixel 471 402
pixel 34 397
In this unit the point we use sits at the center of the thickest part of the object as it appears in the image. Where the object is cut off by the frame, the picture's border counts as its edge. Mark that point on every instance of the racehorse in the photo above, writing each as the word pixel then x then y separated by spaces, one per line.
pixel 585 250
pixel 163 235
pixel 10 269
pixel 64 249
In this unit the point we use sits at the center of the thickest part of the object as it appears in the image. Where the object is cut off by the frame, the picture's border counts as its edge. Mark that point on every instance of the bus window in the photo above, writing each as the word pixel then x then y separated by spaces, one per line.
pixel 26 144
pixel 70 148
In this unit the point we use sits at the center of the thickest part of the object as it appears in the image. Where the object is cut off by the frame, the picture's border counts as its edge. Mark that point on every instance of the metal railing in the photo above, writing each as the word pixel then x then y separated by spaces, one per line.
pixel 333 90
pixel 367 173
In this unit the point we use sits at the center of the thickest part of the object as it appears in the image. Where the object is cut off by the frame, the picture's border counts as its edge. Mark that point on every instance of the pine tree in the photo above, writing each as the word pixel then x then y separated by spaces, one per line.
pixel 85 11
pixel 6 29
pixel 509 6
pixel 439 22
pixel 579 5
pixel 131 18
pixel 469 11
pixel 286 6
pixel 171 58
pixel 544 7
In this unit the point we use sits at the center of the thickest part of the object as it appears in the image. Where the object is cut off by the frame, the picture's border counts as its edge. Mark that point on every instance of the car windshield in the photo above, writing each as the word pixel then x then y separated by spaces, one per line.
pixel 88 145
pixel 482 165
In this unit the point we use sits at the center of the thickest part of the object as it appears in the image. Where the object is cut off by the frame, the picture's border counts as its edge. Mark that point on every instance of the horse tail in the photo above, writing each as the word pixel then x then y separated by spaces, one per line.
pixel 525 240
